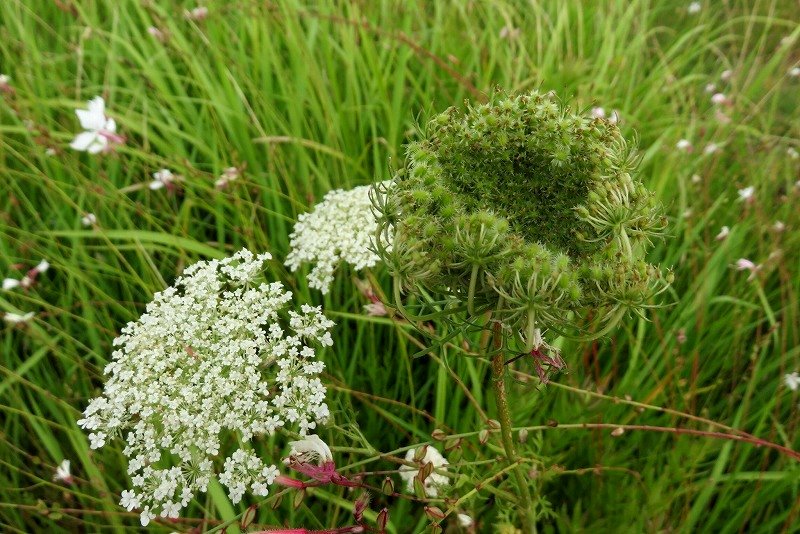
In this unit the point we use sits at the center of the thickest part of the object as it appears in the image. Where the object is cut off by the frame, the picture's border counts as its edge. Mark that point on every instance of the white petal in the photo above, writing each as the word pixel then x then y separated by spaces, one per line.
pixel 97 105
pixel 99 145
pixel 83 140
pixel 90 120
pixel 110 125
pixel 43 266
pixel 10 283
pixel 156 185
pixel 15 318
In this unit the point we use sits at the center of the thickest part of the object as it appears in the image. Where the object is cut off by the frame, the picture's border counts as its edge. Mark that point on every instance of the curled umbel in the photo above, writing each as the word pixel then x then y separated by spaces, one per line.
pixel 525 208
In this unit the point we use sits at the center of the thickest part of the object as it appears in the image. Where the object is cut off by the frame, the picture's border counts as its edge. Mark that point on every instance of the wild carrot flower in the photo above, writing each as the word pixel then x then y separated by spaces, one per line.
pixel 522 207
pixel 100 129
pixel 435 481
pixel 217 354
pixel 339 229
pixel 62 473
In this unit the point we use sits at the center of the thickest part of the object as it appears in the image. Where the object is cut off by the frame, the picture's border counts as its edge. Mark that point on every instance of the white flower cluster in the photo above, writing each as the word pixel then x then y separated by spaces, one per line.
pixel 213 353
pixel 435 481
pixel 339 229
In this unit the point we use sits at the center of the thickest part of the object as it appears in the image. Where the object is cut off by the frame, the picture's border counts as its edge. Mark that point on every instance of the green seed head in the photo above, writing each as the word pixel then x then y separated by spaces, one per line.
pixel 527 207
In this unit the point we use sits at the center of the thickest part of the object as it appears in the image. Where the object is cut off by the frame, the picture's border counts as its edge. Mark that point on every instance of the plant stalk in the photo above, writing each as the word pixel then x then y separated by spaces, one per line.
pixel 524 501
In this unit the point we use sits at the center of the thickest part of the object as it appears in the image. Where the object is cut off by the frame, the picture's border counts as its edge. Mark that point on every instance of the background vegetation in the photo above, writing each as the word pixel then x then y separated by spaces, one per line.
pixel 306 98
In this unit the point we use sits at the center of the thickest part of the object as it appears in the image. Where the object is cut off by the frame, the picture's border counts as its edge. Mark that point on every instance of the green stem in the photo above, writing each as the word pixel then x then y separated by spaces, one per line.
pixel 525 503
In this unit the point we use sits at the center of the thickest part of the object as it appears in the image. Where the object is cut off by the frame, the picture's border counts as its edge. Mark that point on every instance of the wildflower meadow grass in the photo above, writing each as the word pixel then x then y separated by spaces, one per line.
pixel 257 277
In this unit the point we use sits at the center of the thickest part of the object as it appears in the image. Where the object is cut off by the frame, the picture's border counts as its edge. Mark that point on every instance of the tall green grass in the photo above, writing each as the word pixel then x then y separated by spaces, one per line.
pixel 306 98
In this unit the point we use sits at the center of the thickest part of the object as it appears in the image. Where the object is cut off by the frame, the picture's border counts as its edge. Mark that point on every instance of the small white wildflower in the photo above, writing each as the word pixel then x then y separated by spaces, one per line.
pixel 711 148
pixel 792 380
pixel 722 117
pixel 696 179
pixel 162 178
pixel 794 72
pixel 509 32
pixel 42 266
pixel 50 151
pixel 4 79
pixel 719 99
pixel 779 226
pixel 743 264
pixel 129 500
pixel 465 521
pixel 746 194
pixel 197 13
pixel 615 117
pixel 726 75
pixel 694 8
pixel 597 113
pixel 90 219
pixel 435 481
pixel 310 450
pixel 340 228
pixel 16 318
pixel 244 469
pixel 376 309
pixel 684 145
pixel 157 33
pixel 723 233
pixel 100 130
pixel 792 153
pixel 215 356
pixel 62 473
pixel 710 88
pixel 10 283
pixel 228 175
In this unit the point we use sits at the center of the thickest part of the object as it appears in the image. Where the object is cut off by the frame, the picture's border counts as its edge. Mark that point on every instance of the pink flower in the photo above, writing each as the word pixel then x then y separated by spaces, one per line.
pixel 157 33
pixel 375 309
pixel 312 457
pixel 199 13
pixel 719 99
pixel 743 264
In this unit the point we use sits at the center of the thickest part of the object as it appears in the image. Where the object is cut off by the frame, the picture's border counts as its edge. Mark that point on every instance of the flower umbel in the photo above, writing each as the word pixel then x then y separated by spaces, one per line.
pixel 338 229
pixel 523 207
pixel 215 354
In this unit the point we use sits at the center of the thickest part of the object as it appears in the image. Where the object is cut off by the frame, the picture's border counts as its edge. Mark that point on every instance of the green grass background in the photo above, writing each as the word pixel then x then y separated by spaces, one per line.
pixel 308 97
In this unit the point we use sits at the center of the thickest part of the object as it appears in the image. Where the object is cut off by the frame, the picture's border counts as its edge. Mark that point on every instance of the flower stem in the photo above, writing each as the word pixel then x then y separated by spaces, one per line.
pixel 524 501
